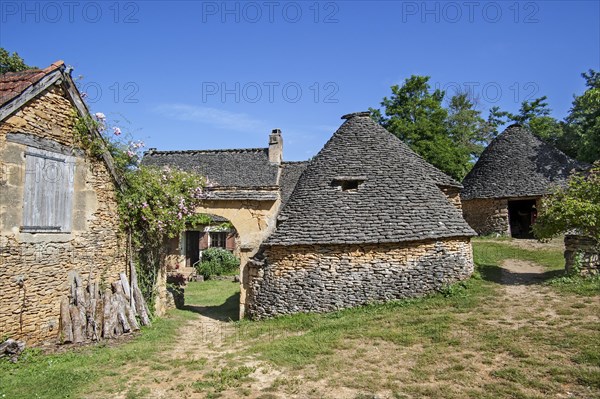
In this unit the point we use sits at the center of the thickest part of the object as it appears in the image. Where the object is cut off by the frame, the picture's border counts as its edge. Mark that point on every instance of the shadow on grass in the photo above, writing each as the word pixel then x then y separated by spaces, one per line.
pixel 499 275
pixel 227 311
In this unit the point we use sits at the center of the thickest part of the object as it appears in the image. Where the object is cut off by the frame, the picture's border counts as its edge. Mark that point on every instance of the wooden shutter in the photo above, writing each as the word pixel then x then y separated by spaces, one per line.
pixel 203 241
pixel 48 193
pixel 230 242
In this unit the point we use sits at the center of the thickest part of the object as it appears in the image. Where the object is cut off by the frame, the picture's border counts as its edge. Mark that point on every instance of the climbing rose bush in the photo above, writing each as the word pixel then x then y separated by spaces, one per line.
pixel 160 202
pixel 154 204
pixel 126 152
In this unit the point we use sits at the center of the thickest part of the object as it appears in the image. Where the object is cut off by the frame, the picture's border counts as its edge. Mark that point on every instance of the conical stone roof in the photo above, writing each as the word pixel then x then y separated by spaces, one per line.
pixel 518 164
pixel 397 199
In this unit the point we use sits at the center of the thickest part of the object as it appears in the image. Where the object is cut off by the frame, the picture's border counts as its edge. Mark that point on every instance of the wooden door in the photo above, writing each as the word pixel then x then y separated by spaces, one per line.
pixel 192 248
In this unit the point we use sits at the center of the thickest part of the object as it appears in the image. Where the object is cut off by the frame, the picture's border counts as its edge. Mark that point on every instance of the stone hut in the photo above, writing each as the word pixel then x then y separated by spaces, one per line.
pixel 368 221
pixel 246 188
pixel 58 209
pixel 502 192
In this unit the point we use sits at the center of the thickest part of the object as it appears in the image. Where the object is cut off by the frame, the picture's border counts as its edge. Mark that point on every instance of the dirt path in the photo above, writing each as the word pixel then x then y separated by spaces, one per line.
pixel 199 342
pixel 204 346
pixel 520 273
pixel 523 297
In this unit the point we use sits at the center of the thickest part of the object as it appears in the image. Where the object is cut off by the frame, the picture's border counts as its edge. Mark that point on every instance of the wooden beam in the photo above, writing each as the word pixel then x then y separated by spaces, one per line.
pixel 31 140
pixel 83 111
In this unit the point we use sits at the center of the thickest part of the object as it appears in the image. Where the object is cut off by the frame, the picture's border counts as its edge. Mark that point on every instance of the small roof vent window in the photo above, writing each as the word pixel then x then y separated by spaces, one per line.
pixel 348 183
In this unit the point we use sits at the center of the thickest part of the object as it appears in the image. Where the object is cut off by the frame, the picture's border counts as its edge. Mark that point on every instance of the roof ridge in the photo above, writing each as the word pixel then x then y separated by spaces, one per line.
pixel 31 71
pixel 237 150
pixel 55 65
pixel 289 162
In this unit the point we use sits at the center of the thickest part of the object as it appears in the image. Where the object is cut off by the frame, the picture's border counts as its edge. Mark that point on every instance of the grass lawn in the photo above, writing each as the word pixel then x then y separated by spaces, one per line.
pixel 69 374
pixel 479 339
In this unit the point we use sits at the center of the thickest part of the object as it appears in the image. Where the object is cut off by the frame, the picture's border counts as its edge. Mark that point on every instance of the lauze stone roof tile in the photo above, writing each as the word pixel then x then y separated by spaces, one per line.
pixel 224 168
pixel 289 177
pixel 518 164
pixel 398 196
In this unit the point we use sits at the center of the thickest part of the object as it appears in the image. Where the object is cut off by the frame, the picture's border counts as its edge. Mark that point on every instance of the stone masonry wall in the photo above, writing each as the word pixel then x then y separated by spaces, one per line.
pixel 325 278
pixel 588 252
pixel 253 221
pixel 34 267
pixel 453 196
pixel 487 216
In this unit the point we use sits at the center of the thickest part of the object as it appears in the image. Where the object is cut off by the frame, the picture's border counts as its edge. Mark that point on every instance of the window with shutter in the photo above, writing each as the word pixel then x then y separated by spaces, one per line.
pixel 218 239
pixel 48 193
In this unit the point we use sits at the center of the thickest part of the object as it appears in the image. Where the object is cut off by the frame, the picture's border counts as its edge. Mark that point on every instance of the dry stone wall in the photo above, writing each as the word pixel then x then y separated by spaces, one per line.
pixel 487 216
pixel 322 278
pixel 583 253
pixel 453 195
pixel 34 268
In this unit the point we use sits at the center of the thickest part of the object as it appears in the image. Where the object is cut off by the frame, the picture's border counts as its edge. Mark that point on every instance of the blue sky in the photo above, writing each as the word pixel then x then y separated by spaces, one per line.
pixel 212 74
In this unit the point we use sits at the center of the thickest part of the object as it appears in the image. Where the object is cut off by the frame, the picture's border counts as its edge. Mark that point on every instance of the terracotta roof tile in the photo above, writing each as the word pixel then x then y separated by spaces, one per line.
pixel 14 83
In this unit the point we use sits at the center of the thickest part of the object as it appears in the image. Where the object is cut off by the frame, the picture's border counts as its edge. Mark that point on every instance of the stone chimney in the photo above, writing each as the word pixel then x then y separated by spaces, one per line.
pixel 275 146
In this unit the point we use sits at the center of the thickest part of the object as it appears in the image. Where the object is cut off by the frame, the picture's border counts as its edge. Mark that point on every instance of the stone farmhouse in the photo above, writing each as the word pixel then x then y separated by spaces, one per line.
pixel 368 221
pixel 58 210
pixel 502 192
pixel 246 188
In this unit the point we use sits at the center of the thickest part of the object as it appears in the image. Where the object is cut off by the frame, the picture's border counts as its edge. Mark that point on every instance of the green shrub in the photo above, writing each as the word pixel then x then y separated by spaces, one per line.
pixel 217 261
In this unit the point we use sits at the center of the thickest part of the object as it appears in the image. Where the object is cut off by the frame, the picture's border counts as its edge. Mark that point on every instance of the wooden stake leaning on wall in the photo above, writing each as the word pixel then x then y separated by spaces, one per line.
pixel 66 327
pixel 137 299
pixel 88 314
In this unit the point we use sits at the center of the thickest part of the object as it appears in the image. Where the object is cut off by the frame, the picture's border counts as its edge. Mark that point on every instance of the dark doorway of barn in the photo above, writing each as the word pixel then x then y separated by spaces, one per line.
pixel 521 214
pixel 192 248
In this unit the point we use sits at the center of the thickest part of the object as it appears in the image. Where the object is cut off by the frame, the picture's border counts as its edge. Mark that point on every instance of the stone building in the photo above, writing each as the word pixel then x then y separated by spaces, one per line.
pixel 368 221
pixel 58 210
pixel 246 188
pixel 501 193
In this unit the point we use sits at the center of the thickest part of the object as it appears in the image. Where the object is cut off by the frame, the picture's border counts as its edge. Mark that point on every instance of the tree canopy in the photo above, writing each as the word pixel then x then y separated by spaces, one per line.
pixel 452 137
pixel 583 122
pixel 576 207
pixel 11 62
pixel 449 138
pixel 578 135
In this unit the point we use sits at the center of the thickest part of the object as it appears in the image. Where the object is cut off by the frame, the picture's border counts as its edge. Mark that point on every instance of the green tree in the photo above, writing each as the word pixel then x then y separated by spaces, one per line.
pixel 466 126
pixel 11 62
pixel 575 207
pixel 447 138
pixel 583 122
pixel 534 115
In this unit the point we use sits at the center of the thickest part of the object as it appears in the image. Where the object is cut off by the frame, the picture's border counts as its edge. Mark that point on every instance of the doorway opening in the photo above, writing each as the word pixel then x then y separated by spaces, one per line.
pixel 522 215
